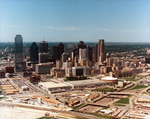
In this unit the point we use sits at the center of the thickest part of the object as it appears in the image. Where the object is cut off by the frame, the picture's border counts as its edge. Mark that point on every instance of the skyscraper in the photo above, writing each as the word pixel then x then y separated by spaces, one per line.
pixel 80 45
pixel 89 53
pixel 64 57
pixel 57 51
pixel 101 51
pixel 34 53
pixel 96 53
pixel 82 54
pixel 18 53
pixel 43 47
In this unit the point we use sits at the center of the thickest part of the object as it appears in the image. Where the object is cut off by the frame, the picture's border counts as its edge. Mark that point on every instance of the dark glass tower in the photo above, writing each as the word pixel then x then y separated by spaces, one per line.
pixel 18 53
pixel 43 47
pixel 57 51
pixel 34 53
pixel 89 53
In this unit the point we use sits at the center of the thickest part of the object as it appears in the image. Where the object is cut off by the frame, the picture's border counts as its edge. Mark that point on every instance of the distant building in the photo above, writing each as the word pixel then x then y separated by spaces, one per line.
pixel 2 73
pixel 67 65
pixel 82 54
pixel 89 51
pixel 43 68
pixel 147 59
pixel 101 51
pixel 34 53
pixel 126 72
pixel 43 47
pixel 43 57
pixel 64 57
pixel 57 51
pixel 35 78
pixel 58 64
pixel 96 53
pixel 9 69
pixel 81 71
pixel 108 60
pixel 81 45
pixel 18 53
pixel 57 71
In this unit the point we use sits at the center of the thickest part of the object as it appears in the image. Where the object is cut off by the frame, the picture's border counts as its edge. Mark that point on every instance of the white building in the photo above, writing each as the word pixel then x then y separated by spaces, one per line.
pixel 82 54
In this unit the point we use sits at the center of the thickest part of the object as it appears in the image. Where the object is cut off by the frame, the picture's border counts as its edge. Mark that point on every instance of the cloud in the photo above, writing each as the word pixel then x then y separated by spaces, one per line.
pixel 13 26
pixel 123 31
pixel 63 28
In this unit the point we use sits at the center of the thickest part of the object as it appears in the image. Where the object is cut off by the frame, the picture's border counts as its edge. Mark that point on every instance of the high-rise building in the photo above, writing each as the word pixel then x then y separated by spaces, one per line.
pixel 96 53
pixel 34 53
pixel 43 47
pixel 81 45
pixel 18 53
pixel 89 51
pixel 82 54
pixel 64 57
pixel 61 48
pixel 101 51
pixel 43 57
pixel 57 51
pixel 58 64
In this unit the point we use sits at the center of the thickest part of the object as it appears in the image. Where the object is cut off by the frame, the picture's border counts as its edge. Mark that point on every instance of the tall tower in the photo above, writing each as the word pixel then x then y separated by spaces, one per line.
pixel 43 47
pixel 89 51
pixel 96 53
pixel 82 54
pixel 34 53
pixel 18 53
pixel 101 51
pixel 57 52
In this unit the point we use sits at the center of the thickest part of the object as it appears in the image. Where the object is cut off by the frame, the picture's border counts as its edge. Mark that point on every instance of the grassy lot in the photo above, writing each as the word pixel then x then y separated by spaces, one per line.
pixel 139 87
pixel 133 78
pixel 66 80
pixel 105 107
pixel 119 105
pixel 76 107
pixel 101 115
pixel 123 101
pixel 1 98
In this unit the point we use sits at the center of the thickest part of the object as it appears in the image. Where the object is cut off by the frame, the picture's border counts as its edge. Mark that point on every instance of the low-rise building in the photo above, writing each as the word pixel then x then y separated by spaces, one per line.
pixel 52 87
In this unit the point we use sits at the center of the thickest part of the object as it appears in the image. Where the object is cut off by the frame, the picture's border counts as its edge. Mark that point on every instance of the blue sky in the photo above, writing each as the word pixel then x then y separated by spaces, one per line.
pixel 75 20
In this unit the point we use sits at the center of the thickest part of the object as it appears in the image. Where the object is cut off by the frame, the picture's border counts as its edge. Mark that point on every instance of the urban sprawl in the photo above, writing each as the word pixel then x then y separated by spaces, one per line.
pixel 74 82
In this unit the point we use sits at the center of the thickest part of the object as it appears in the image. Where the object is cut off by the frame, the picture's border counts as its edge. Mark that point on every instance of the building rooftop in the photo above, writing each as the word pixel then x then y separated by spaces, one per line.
pixel 86 82
pixel 53 85
pixel 109 78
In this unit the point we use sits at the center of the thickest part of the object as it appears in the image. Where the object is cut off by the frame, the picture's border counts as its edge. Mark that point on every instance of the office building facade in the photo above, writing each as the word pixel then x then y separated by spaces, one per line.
pixel 34 53
pixel 18 53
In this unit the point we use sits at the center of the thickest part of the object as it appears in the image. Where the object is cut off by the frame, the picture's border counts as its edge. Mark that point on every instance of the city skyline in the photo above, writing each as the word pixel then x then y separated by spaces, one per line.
pixel 69 20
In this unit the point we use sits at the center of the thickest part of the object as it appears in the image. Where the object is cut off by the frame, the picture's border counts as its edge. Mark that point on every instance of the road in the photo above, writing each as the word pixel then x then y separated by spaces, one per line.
pixel 48 109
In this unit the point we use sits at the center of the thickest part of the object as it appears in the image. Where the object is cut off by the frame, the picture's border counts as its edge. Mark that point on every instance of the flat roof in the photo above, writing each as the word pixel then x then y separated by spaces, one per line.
pixel 53 85
pixel 109 78
pixel 86 82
